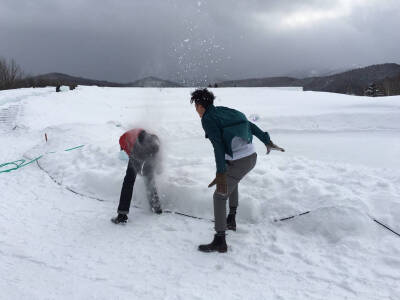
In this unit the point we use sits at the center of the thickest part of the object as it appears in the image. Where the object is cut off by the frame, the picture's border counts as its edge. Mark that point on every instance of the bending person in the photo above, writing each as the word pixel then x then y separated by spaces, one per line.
pixel 231 135
pixel 142 149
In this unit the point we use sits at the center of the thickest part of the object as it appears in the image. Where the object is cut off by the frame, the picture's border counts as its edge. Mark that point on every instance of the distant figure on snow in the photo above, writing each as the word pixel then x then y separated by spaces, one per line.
pixel 231 135
pixel 143 151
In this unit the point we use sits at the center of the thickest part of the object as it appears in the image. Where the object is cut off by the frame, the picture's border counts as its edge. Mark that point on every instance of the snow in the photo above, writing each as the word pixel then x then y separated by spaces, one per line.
pixel 341 163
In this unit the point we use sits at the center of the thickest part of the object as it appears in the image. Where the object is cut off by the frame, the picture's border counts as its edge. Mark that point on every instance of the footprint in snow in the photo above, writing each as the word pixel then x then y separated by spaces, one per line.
pixel 275 249
pixel 169 228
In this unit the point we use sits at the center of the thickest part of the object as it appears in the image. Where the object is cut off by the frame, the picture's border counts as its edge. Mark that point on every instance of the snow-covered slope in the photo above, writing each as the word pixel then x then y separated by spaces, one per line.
pixel 342 164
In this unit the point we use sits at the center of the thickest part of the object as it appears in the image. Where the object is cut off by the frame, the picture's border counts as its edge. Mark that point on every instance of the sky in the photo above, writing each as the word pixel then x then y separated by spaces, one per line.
pixel 200 41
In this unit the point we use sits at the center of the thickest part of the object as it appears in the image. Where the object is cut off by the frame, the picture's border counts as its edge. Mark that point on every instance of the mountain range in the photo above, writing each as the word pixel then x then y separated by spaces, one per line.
pixel 385 76
pixel 350 82
pixel 66 79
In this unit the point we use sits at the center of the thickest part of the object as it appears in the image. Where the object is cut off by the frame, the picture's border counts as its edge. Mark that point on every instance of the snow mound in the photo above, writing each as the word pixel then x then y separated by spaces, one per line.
pixel 277 187
pixel 94 170
pixel 287 186
pixel 335 224
pixel 97 169
pixel 335 122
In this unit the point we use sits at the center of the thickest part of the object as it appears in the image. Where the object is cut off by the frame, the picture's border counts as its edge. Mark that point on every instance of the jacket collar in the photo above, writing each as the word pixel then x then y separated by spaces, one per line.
pixel 210 108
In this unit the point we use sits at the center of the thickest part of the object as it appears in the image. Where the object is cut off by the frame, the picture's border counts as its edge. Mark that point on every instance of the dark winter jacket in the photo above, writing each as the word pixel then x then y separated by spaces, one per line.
pixel 146 147
pixel 221 125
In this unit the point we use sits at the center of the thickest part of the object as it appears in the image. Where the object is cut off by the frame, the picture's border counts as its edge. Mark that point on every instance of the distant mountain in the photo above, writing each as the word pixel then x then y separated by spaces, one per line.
pixel 318 72
pixel 385 76
pixel 66 79
pixel 390 85
pixel 350 82
pixel 262 82
pixel 152 82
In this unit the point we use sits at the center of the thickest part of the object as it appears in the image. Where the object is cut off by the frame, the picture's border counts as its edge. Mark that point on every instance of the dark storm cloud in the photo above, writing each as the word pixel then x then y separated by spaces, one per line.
pixel 196 40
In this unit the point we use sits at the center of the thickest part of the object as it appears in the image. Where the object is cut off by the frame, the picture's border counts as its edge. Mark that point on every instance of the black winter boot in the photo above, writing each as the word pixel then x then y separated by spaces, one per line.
pixel 231 222
pixel 121 218
pixel 218 244
pixel 157 210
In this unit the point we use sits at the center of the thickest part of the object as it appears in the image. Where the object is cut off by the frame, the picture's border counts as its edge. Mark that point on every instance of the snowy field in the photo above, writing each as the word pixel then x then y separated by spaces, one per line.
pixel 342 163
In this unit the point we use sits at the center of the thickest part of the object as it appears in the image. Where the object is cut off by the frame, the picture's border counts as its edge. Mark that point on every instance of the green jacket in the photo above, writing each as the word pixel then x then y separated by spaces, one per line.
pixel 222 124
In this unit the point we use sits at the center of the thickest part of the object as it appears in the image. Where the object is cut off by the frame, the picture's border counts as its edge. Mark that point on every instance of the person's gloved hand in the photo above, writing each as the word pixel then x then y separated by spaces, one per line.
pixel 272 146
pixel 220 181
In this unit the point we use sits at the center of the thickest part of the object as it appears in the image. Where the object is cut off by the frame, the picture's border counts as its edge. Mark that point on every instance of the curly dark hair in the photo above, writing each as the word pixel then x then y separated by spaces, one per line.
pixel 203 97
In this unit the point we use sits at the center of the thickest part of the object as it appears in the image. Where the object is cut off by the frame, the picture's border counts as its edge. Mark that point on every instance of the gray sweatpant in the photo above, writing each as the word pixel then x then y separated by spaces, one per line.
pixel 236 170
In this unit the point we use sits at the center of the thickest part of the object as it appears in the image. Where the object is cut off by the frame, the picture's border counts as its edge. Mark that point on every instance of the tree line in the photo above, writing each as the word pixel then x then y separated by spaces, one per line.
pixel 10 74
pixel 12 77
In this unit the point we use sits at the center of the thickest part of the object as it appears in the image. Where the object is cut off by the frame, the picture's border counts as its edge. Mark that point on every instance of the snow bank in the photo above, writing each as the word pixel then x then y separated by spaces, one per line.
pixel 279 186
pixel 8 97
pixel 50 236
pixel 94 170
pixel 334 225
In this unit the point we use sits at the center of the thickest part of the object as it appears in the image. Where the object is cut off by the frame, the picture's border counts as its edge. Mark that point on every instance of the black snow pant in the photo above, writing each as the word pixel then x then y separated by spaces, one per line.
pixel 146 170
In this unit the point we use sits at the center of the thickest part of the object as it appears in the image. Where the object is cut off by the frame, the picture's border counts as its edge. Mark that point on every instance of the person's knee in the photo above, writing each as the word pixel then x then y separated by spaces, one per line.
pixel 148 169
pixel 220 197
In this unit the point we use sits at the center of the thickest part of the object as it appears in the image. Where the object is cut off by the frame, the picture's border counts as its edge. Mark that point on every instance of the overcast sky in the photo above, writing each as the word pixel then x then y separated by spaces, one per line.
pixel 124 40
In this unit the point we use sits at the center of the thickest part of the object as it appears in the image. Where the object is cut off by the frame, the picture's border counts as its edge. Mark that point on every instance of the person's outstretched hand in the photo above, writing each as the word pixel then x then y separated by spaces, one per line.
pixel 220 181
pixel 272 146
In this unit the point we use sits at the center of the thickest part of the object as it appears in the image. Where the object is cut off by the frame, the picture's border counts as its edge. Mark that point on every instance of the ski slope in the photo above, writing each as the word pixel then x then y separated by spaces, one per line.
pixel 342 163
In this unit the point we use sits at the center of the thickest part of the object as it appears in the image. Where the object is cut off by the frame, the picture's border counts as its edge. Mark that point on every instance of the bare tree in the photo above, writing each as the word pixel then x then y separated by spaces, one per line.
pixel 10 74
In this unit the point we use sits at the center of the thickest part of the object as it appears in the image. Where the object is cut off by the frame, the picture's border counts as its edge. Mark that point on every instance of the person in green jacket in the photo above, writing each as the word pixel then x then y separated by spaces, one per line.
pixel 231 135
